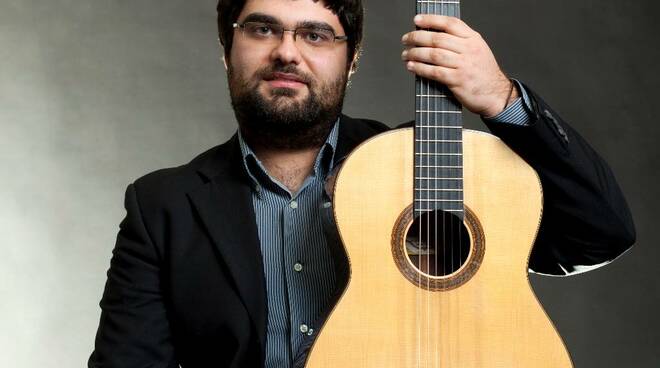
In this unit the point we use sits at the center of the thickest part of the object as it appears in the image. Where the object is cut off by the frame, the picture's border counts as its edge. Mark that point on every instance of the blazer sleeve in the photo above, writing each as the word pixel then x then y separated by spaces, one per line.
pixel 134 329
pixel 586 221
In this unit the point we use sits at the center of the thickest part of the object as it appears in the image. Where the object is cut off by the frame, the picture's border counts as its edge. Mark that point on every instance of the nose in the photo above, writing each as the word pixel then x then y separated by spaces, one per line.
pixel 287 51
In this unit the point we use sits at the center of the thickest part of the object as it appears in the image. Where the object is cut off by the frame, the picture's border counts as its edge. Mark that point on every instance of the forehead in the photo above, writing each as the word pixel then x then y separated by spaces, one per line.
pixel 291 12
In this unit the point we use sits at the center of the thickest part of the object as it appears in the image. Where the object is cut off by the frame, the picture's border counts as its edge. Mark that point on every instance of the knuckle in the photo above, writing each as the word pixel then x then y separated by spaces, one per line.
pixel 436 57
pixel 437 40
pixel 438 74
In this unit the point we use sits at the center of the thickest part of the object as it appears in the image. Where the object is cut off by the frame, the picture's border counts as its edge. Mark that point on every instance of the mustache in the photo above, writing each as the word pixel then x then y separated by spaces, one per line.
pixel 269 72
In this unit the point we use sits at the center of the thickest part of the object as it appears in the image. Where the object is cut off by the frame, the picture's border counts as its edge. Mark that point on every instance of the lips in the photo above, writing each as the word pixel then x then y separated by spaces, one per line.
pixel 285 80
pixel 286 77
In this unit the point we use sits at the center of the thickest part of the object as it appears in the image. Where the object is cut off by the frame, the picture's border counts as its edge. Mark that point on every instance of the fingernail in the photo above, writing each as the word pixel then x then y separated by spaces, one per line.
pixel 404 38
pixel 409 65
pixel 418 18
pixel 404 54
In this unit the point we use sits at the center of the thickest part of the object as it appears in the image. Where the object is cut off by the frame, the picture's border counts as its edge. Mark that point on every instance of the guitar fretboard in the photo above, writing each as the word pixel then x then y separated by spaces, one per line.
pixel 438 150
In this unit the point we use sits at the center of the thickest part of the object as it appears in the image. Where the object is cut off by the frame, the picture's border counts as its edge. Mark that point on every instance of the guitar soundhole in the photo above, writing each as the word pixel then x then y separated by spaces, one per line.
pixel 437 243
pixel 438 251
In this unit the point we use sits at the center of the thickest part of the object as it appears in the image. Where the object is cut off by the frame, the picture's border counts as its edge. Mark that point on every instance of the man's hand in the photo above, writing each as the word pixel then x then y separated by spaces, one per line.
pixel 458 57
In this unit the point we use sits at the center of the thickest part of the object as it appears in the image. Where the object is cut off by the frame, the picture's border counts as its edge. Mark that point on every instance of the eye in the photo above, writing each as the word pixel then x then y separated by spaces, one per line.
pixel 315 36
pixel 263 30
pixel 260 29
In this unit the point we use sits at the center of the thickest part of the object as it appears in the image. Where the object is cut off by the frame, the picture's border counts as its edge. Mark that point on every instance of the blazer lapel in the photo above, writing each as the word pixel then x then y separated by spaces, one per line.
pixel 224 204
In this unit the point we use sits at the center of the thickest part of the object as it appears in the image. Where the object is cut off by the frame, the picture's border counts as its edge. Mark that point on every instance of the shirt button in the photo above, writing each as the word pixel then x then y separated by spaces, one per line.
pixel 310 332
pixel 304 328
pixel 297 267
pixel 327 204
pixel 293 204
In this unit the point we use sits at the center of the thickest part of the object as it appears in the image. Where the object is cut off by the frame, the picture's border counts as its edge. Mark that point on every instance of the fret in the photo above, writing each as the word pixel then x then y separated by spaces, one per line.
pixel 437 96
pixel 439 189
pixel 439 126
pixel 432 178
pixel 437 154
pixel 441 111
pixel 419 210
pixel 439 140
pixel 438 167
pixel 438 200
pixel 439 1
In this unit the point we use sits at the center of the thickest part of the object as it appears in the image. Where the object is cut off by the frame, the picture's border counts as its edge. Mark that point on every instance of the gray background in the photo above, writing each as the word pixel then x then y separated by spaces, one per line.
pixel 94 94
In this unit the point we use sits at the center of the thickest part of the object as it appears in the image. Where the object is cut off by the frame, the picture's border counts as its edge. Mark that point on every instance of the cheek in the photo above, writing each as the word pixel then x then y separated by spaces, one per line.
pixel 328 67
pixel 245 61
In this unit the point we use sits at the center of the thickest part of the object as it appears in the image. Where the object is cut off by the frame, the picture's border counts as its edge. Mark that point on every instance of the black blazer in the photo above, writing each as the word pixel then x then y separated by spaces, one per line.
pixel 186 281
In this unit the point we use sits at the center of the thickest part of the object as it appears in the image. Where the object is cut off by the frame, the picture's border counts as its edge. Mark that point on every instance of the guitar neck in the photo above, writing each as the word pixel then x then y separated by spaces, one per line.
pixel 438 183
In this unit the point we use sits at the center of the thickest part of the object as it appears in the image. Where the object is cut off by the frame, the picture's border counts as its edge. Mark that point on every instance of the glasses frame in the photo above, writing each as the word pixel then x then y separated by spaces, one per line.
pixel 294 31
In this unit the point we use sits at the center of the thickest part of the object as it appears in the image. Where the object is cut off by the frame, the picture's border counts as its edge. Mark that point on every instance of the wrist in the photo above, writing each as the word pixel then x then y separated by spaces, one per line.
pixel 503 100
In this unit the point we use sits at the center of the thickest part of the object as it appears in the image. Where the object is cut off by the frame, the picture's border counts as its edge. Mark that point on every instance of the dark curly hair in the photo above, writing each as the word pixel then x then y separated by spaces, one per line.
pixel 349 12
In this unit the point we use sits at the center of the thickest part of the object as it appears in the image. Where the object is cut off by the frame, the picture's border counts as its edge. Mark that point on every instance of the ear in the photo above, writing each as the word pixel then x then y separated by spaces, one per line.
pixel 224 53
pixel 354 65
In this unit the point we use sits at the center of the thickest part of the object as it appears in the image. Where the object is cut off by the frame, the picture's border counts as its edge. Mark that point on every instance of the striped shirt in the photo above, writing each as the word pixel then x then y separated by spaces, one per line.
pixel 299 271
pixel 518 112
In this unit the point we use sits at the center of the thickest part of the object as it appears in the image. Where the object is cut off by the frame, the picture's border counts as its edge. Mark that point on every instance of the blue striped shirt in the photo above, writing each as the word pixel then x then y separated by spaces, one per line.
pixel 299 271
pixel 518 112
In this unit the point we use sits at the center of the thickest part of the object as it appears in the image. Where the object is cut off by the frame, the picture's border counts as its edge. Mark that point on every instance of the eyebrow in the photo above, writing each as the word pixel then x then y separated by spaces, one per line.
pixel 265 18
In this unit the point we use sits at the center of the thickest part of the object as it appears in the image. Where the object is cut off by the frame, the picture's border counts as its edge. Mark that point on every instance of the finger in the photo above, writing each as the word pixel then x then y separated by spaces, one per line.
pixel 451 25
pixel 434 39
pixel 428 55
pixel 446 76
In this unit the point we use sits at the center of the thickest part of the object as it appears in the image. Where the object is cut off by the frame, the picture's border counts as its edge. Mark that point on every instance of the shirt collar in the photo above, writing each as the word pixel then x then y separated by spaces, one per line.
pixel 323 163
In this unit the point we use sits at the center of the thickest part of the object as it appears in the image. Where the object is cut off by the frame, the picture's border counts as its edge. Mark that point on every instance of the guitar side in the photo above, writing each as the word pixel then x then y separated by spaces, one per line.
pixel 385 320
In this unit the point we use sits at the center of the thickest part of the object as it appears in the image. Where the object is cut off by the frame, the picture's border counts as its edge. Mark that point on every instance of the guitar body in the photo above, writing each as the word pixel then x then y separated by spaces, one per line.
pixel 486 314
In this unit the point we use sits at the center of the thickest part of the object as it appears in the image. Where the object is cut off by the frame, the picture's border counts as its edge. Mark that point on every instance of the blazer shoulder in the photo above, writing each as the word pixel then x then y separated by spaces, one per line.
pixel 164 184
pixel 362 127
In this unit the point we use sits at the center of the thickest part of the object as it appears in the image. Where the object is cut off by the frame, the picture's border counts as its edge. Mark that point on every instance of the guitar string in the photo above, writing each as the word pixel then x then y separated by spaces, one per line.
pixel 429 231
pixel 435 197
pixel 419 238
pixel 447 240
pixel 430 184
pixel 461 218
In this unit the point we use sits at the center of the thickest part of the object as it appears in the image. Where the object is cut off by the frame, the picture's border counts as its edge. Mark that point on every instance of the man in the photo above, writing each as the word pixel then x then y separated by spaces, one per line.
pixel 223 261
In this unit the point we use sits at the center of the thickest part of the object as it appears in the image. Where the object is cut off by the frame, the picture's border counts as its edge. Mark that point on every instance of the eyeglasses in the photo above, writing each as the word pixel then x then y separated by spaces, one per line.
pixel 271 33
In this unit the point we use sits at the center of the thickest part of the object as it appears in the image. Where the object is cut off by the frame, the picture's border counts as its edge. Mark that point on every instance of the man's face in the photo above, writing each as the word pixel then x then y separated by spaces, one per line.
pixel 283 92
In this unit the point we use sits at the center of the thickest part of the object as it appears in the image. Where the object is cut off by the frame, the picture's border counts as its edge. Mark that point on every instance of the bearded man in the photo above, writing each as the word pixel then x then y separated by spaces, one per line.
pixel 227 261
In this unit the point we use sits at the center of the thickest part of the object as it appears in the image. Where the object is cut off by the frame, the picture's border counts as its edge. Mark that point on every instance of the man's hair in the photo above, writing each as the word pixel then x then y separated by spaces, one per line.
pixel 349 12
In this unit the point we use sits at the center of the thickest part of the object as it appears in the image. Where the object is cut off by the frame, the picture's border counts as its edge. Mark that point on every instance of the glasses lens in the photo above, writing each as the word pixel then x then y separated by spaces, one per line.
pixel 316 37
pixel 262 31
pixel 313 37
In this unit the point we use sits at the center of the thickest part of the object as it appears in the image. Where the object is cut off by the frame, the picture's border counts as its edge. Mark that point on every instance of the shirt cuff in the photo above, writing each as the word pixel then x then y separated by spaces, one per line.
pixel 517 113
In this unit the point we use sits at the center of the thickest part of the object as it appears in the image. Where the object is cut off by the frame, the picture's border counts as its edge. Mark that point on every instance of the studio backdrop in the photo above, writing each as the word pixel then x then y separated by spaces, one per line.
pixel 94 94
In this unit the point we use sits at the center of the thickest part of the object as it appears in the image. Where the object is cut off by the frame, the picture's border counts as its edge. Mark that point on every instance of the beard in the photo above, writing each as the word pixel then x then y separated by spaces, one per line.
pixel 283 122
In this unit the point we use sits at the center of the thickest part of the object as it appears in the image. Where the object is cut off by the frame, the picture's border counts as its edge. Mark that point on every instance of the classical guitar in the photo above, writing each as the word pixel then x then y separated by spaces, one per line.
pixel 437 223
